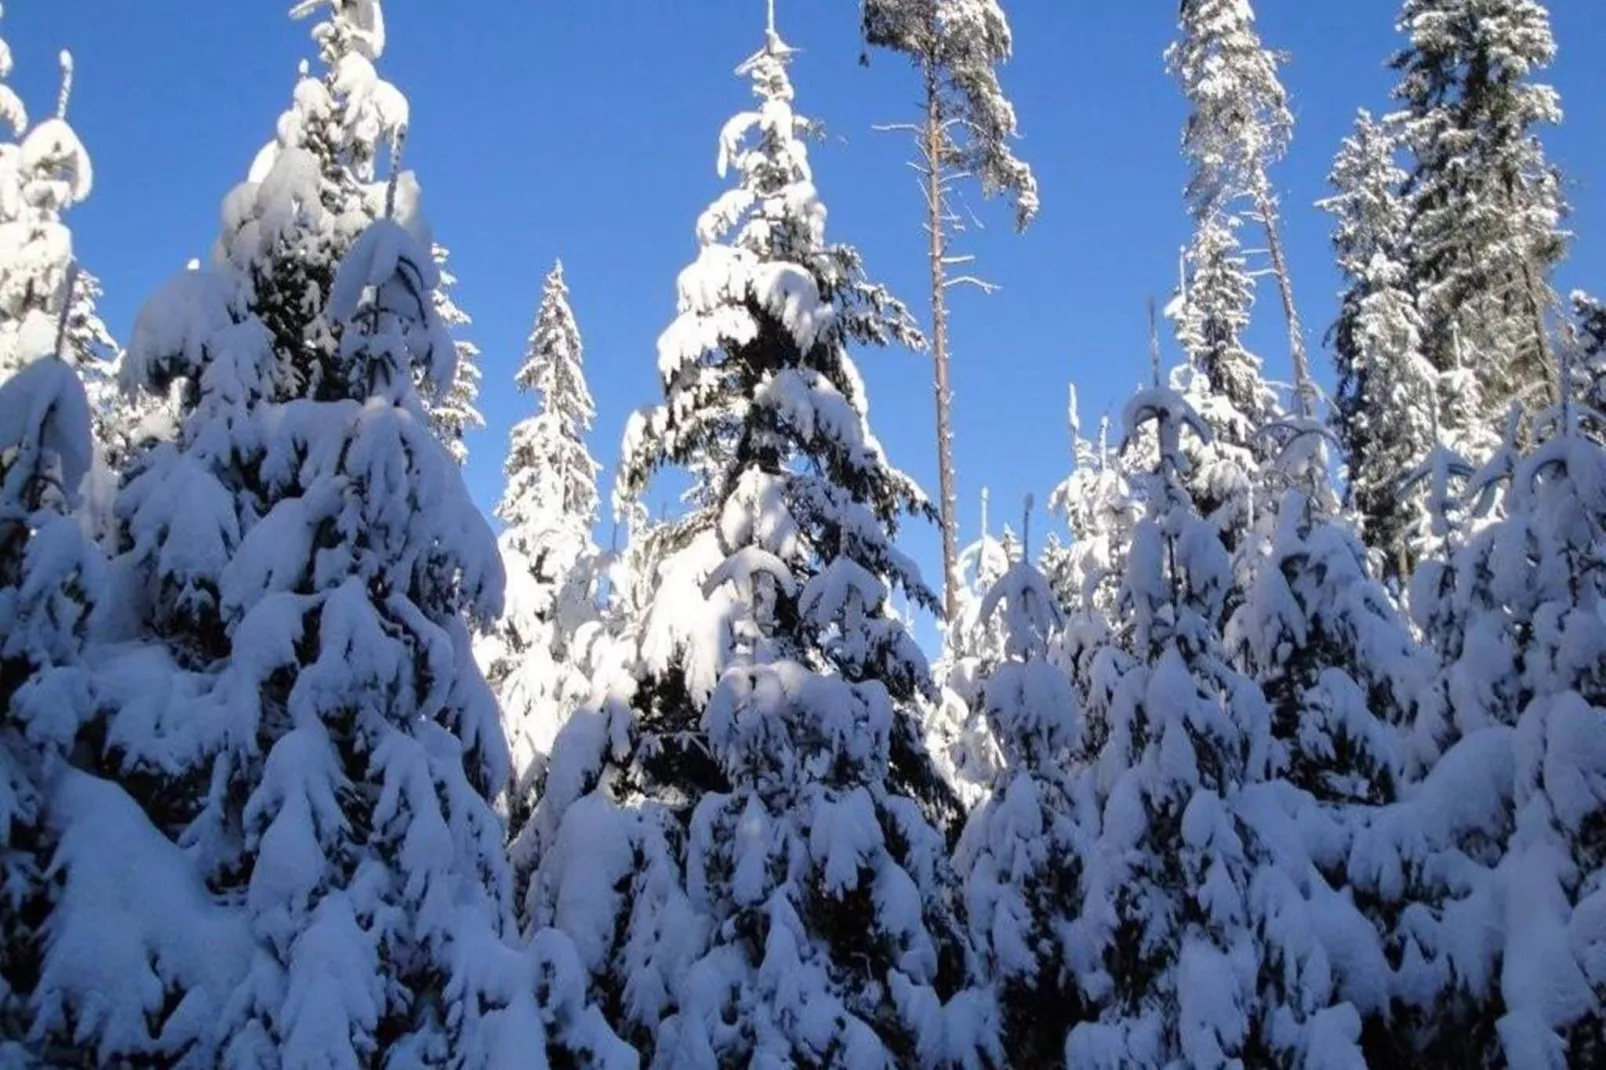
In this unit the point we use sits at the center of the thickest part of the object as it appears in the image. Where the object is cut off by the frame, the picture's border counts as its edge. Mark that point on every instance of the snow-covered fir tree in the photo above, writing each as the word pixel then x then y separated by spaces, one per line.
pixel 966 133
pixel 1588 354
pixel 1021 851
pixel 292 686
pixel 1239 125
pixel 45 173
pixel 958 737
pixel 1494 866
pixel 454 413
pixel 315 187
pixel 535 656
pixel 1095 502
pixel 1222 381
pixel 1387 388
pixel 49 582
pixel 1335 657
pixel 1484 205
pixel 1206 933
pixel 773 891
pixel 88 965
pixel 348 748
pixel 971 635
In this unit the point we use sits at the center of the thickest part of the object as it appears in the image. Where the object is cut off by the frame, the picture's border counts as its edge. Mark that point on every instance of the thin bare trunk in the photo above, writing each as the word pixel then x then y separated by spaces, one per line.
pixel 1304 385
pixel 1154 343
pixel 1548 370
pixel 936 224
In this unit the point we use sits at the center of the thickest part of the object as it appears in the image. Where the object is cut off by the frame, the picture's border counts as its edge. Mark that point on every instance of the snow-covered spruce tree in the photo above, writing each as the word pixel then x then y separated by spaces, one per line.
pixel 1589 354
pixel 454 413
pixel 784 898
pixel 1484 204
pixel 1334 655
pixel 314 188
pixel 965 133
pixel 534 656
pixel 1496 863
pixel 1222 382
pixel 1095 502
pixel 970 635
pixel 1021 851
pixel 43 174
pixel 87 974
pixel 350 746
pixel 1239 125
pixel 959 739
pixel 1387 388
pixel 1204 935
pixel 49 582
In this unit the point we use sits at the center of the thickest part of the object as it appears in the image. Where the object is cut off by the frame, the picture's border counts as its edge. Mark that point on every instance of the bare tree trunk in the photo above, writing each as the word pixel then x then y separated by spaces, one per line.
pixel 936 224
pixel 1548 371
pixel 1304 385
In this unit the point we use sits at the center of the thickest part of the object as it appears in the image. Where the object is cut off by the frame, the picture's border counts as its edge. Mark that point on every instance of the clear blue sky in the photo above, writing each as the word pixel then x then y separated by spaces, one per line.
pixel 587 131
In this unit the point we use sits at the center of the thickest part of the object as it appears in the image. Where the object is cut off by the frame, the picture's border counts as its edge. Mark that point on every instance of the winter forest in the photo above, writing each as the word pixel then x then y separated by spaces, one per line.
pixel 1275 736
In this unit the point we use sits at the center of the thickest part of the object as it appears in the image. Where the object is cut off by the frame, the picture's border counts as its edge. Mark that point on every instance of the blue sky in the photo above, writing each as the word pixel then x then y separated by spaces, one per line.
pixel 587 131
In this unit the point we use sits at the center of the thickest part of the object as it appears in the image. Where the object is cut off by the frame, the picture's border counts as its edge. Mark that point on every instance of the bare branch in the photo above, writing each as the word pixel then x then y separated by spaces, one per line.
pixel 971 280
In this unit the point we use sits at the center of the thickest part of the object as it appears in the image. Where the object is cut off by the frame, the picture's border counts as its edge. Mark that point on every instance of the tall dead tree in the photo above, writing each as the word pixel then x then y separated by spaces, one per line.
pixel 964 135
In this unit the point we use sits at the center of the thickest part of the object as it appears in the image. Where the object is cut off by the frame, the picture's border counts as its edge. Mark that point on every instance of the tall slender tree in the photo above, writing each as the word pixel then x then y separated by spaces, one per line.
pixel 1222 382
pixel 1589 358
pixel 781 896
pixel 1484 204
pixel 1238 127
pixel 454 412
pixel 966 133
pixel 534 656
pixel 1387 388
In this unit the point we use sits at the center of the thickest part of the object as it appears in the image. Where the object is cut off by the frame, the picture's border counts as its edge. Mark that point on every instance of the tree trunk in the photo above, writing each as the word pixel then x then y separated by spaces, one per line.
pixel 936 224
pixel 1304 385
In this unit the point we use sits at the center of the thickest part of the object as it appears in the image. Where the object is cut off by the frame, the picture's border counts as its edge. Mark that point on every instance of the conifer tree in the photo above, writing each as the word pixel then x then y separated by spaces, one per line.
pixel 1387 388
pixel 315 187
pixel 958 737
pixel 453 413
pixel 294 697
pixel 966 132
pixel 1222 382
pixel 534 656
pixel 780 897
pixel 1589 356
pixel 87 974
pixel 1494 865
pixel 349 747
pixel 1095 501
pixel 49 572
pixel 1238 127
pixel 1346 680
pixel 1197 935
pixel 1021 851
pixel 1484 204
pixel 49 583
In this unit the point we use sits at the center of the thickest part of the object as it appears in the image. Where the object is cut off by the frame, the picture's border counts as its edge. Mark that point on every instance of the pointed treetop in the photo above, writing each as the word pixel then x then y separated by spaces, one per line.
pixel 66 84
pixel 397 145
